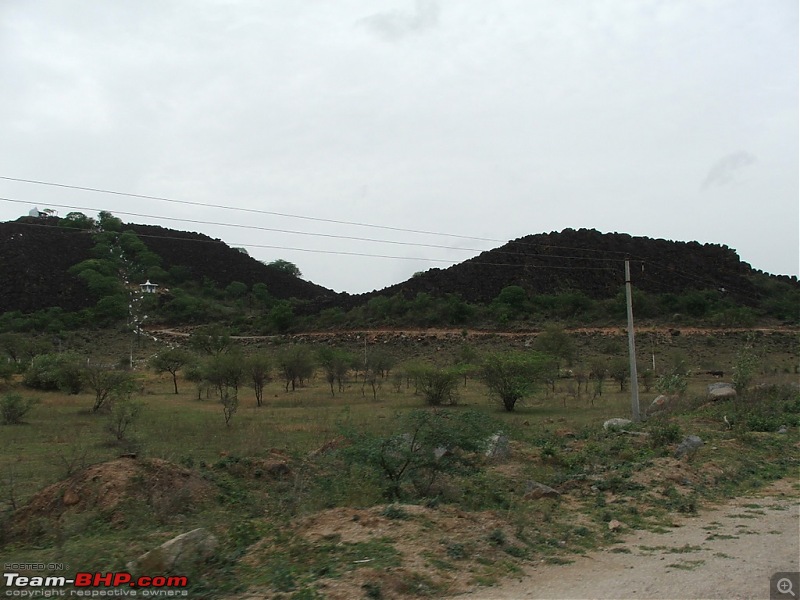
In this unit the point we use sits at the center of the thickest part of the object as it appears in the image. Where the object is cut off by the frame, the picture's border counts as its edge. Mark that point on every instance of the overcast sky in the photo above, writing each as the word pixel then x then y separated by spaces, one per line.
pixel 674 119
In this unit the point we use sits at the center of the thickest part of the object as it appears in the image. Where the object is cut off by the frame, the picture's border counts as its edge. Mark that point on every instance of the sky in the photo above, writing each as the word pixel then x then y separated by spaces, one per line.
pixel 430 130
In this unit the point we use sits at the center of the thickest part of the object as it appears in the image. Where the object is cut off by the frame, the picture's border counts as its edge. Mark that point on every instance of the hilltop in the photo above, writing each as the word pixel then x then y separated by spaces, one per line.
pixel 36 255
pixel 590 262
pixel 79 265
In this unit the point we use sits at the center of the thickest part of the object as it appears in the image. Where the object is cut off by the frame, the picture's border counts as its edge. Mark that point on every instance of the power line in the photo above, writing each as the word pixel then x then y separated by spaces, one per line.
pixel 336 252
pixel 292 216
pixel 306 233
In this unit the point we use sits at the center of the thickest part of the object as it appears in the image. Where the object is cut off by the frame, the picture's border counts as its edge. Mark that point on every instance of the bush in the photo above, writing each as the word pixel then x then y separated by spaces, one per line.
pixel 51 372
pixel 511 376
pixel 674 384
pixel 14 407
pixel 438 386
pixel 434 443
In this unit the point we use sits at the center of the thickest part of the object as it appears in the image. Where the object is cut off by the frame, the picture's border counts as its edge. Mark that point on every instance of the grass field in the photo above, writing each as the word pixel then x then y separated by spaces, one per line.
pixel 283 532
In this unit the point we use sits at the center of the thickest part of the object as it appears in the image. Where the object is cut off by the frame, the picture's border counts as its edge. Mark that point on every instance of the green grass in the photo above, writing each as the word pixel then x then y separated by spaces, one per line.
pixel 596 471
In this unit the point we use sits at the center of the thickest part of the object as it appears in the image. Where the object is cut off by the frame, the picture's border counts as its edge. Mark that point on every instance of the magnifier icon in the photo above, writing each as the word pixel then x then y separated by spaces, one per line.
pixel 785 587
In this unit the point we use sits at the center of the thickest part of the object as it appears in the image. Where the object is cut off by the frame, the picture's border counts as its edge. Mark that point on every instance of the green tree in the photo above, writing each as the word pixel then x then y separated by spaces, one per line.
pixel 171 360
pixel 109 222
pixel 557 343
pixel 77 220
pixel 212 340
pixel 236 290
pixel 438 386
pixel 284 266
pixel 106 383
pixel 52 372
pixel 225 372
pixel 295 363
pixel 335 363
pixel 512 376
pixel 281 316
pixel 14 407
pixel 619 369
pixel 259 368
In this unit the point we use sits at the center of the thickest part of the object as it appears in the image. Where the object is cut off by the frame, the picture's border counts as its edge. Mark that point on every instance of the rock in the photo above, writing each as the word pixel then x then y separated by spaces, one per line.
pixel 565 433
pixel 440 451
pixel 718 391
pixel 722 392
pixel 718 386
pixel 616 423
pixel 613 525
pixel 535 490
pixel 178 554
pixel 781 429
pixel 660 403
pixel 689 445
pixel 497 447
pixel 70 497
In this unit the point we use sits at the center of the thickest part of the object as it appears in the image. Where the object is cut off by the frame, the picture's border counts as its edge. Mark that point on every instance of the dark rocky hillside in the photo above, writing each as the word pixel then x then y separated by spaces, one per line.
pixel 34 258
pixel 35 255
pixel 207 257
pixel 590 262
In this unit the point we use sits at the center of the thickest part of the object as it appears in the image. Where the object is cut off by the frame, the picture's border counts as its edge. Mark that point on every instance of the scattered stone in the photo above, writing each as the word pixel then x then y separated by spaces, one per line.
pixel 689 445
pixel 718 386
pixel 440 451
pixel 660 403
pixel 718 391
pixel 535 490
pixel 70 497
pixel 178 554
pixel 497 447
pixel 616 423
pixel 721 393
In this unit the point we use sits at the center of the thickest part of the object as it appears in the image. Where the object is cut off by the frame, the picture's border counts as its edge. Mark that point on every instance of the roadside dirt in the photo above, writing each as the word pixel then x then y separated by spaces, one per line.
pixel 727 552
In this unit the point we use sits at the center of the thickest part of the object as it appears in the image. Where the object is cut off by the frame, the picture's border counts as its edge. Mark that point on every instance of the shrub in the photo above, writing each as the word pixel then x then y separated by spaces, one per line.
pixel 52 372
pixel 14 407
pixel 439 386
pixel 673 384
pixel 434 443
pixel 511 376
pixel 122 416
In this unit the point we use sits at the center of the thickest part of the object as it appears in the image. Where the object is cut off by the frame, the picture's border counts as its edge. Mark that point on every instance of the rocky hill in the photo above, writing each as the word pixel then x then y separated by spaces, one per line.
pixel 36 254
pixel 592 263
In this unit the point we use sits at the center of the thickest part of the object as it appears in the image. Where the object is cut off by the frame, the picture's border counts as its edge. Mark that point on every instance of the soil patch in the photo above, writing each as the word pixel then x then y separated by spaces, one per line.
pixel 109 490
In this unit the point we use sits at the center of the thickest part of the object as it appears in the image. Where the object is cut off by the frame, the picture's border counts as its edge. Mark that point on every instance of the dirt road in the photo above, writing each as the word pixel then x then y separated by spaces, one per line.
pixel 728 552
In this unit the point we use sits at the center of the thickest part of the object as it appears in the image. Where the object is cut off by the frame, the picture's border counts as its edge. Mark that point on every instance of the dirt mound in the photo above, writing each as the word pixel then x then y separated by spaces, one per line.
pixel 109 491
pixel 434 546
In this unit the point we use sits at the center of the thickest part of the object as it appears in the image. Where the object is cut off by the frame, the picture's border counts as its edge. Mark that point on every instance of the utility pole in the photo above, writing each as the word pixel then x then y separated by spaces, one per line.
pixel 631 346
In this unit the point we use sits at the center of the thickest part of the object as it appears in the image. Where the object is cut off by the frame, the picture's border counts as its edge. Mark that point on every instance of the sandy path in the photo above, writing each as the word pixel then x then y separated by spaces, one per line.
pixel 728 552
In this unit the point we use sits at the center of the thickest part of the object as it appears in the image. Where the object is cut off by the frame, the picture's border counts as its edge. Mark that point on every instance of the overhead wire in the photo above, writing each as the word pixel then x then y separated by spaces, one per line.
pixel 286 215
pixel 305 233
pixel 519 242
pixel 336 252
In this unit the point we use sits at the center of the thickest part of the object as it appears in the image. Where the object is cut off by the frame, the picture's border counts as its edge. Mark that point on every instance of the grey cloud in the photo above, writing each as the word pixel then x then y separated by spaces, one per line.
pixel 725 169
pixel 396 24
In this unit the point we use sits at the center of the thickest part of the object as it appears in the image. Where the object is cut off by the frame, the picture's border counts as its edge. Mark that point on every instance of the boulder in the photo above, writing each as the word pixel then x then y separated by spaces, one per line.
pixel 535 490
pixel 660 403
pixel 725 390
pixel 497 447
pixel 178 554
pixel 689 445
pixel 616 423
